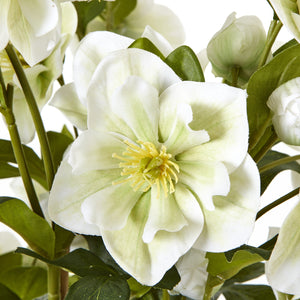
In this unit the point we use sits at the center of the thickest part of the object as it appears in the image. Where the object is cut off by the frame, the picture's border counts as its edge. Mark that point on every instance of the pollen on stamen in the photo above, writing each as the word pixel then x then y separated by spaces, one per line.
pixel 144 166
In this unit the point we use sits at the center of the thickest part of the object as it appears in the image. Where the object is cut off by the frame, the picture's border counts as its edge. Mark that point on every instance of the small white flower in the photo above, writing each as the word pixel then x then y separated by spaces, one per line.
pixel 285 105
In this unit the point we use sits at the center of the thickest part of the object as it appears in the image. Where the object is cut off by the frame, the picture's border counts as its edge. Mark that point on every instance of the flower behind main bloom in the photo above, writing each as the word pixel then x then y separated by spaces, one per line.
pixel 162 167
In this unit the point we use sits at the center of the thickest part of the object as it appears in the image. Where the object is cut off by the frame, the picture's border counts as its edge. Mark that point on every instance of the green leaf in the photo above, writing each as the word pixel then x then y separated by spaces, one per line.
pixel 9 260
pixel 26 282
pixel 145 44
pixel 249 292
pixel 35 164
pixel 66 132
pixel 99 288
pixel 265 254
pixel 87 11
pixel 31 227
pixel 287 45
pixel 8 171
pixel 121 9
pixel 267 176
pixel 63 240
pixel 185 64
pixel 170 279
pixel 7 294
pixel 280 69
pixel 137 290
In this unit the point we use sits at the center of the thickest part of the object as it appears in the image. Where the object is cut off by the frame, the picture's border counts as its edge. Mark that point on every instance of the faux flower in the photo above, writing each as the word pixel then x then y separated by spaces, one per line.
pixel 288 13
pixel 238 44
pixel 283 268
pixel 284 102
pixel 8 242
pixel 32 26
pixel 40 76
pixel 146 12
pixel 162 167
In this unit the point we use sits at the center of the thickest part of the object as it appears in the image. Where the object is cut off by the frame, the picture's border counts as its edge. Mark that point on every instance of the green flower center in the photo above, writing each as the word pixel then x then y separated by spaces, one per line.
pixel 144 166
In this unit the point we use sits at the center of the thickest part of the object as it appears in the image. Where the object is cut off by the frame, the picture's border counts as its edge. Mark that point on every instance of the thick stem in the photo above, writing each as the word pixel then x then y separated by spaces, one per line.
pixel 235 71
pixel 35 113
pixel 277 202
pixel 53 283
pixel 278 163
pixel 166 295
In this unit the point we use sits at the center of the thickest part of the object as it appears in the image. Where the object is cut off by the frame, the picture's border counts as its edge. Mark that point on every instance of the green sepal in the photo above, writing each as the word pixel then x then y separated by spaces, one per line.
pixel 185 64
pixel 282 68
pixel 145 44
pixel 31 227
pixel 99 288
pixel 121 9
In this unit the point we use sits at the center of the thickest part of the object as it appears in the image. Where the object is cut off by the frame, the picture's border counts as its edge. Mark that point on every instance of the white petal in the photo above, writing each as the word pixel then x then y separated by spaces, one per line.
pixel 66 100
pixel 147 263
pixel 69 192
pixel 206 179
pixel 4 36
pixel 283 268
pixel 69 18
pixel 41 15
pixel 93 151
pixel 9 242
pixel 91 50
pixel 109 208
pixel 232 221
pixel 221 111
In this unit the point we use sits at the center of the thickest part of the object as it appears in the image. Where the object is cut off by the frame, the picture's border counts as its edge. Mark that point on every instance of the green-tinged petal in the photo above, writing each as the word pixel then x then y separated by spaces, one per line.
pixel 148 262
pixel 9 242
pixel 217 108
pixel 41 15
pixel 232 221
pixel 180 136
pixel 4 36
pixel 288 13
pixel 32 47
pixel 69 18
pixel 67 101
pixel 283 268
pixel 69 192
pixel 192 270
pixel 206 179
pixel 93 150
pixel 113 72
pixel 136 103
pixel 109 208
pixel 91 50
pixel 164 214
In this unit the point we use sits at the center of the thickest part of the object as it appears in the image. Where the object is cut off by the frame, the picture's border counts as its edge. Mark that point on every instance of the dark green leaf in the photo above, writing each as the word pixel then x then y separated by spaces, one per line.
pixel 8 171
pixel 35 164
pixel 265 254
pixel 280 69
pixel 267 176
pixel 66 132
pixel 63 239
pixel 7 294
pixel 26 282
pixel 185 64
pixel 9 260
pixel 121 9
pixel 99 288
pixel 59 142
pixel 145 44
pixel 86 12
pixel 249 292
pixel 33 229
pixel 170 279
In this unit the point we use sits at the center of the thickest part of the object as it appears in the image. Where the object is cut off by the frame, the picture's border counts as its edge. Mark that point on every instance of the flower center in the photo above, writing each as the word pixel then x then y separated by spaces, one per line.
pixel 144 166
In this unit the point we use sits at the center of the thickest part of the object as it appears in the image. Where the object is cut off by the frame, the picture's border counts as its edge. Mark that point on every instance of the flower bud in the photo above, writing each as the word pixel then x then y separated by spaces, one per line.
pixel 285 104
pixel 238 45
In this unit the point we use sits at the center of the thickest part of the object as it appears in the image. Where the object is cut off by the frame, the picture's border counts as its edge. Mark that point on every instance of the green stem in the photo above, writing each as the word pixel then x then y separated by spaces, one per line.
pixel 235 71
pixel 35 113
pixel 166 295
pixel 278 163
pixel 53 283
pixel 277 202
pixel 109 16
pixel 272 34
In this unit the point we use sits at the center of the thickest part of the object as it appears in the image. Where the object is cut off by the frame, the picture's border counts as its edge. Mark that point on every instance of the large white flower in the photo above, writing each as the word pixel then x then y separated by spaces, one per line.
pixel 32 26
pixel 285 105
pixel 283 268
pixel 162 166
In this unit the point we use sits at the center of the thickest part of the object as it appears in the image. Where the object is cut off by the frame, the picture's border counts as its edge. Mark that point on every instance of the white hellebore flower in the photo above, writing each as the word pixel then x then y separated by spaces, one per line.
pixel 283 268
pixel 238 44
pixel 159 17
pixel 288 13
pixel 162 167
pixel 32 26
pixel 284 102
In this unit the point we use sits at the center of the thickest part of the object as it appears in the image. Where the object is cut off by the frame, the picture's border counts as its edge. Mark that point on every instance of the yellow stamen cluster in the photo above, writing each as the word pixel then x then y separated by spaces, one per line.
pixel 144 166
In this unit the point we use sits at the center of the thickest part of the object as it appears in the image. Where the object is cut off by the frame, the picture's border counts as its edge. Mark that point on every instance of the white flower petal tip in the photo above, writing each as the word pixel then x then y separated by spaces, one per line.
pixel 284 102
pixel 283 267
